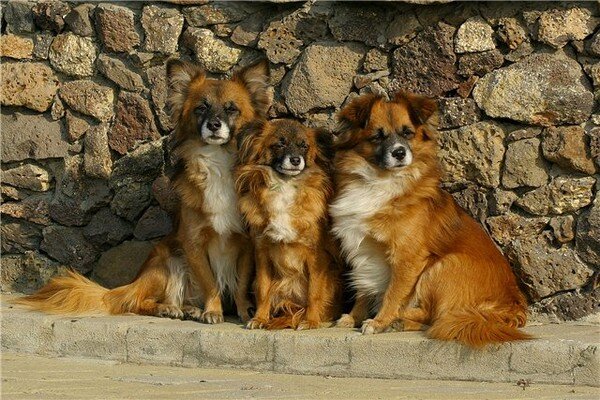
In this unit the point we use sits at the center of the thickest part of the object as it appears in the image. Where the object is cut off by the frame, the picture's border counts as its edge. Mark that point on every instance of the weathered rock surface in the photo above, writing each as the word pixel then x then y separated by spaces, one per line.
pixel 157 79
pixel 455 112
pixel 89 98
pixel 97 161
pixel 588 235
pixel 28 176
pixel 563 228
pixel 360 23
pixel 31 136
pixel 508 227
pixel 162 27
pixel 560 196
pixel 557 27
pixel 279 43
pixel 524 165
pixel 542 90
pixel 134 122
pixel 116 27
pixel 216 13
pixel 119 265
pixel 18 16
pixel 34 208
pixel 375 60
pixel 31 85
pixel 473 153
pixel 474 35
pixel 24 273
pixel 154 223
pixel 73 55
pixel 115 70
pixel 41 45
pixel 16 47
pixel 480 63
pixel 79 22
pixel 107 229
pixel 474 201
pixel 567 146
pixel 211 52
pixel 48 15
pixel 69 247
pixel 323 76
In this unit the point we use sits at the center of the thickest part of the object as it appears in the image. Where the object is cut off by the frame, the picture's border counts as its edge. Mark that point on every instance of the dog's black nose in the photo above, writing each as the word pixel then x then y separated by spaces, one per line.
pixel 399 153
pixel 295 161
pixel 213 124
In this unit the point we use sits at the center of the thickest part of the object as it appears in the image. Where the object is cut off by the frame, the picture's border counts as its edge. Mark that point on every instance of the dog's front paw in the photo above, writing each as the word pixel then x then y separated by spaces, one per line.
pixel 308 325
pixel 212 317
pixel 246 314
pixel 169 311
pixel 192 313
pixel 256 323
pixel 371 326
pixel 345 321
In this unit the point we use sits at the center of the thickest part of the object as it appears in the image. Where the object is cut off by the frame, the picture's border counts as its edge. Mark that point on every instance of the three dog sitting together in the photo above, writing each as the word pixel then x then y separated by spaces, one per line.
pixel 285 212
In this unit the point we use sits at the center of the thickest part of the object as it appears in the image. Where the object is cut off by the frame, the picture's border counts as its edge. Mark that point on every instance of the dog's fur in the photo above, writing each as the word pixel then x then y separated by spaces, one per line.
pixel 417 258
pixel 208 253
pixel 284 187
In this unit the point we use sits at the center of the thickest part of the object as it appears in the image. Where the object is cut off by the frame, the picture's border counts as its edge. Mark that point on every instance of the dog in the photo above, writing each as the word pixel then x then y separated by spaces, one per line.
pixel 209 253
pixel 417 259
pixel 284 186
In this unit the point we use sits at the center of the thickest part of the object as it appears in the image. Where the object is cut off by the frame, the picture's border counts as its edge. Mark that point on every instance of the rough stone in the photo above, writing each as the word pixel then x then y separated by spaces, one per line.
pixel 73 55
pixel 31 136
pixel 525 133
pixel 16 47
pixel 107 229
pixel 594 138
pixel 19 236
pixel 79 21
pixel 557 27
pixel 77 126
pixel 520 52
pixel 508 227
pixel 76 199
pixel 97 161
pixel 593 45
pixel 157 80
pixel 362 80
pixel 68 246
pixel 474 35
pixel 562 195
pixel 28 176
pixel 465 88
pixel 455 112
pixel 115 70
pixel 35 208
pixel 18 16
pixel 512 32
pixel 247 31
pixel 89 98
pixel 501 201
pixel 165 195
pixel 57 111
pixel 571 305
pixel 48 15
pixel 216 13
pixel 474 201
pixel 426 65
pixel 116 27
pixel 403 28
pixel 543 89
pixel 473 153
pixel 23 273
pixel 544 269
pixel 41 45
pixel 134 122
pixel 563 228
pixel 480 63
pixel 119 265
pixel 360 23
pixel 162 27
pixel 524 165
pixel 322 77
pixel 566 146
pixel 211 52
pixel 375 60
pixel 279 43
pixel 31 85
pixel 154 223
pixel 130 201
pixel 588 234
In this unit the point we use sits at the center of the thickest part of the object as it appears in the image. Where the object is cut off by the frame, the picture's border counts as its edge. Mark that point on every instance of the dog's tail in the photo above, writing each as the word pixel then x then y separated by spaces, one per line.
pixel 477 327
pixel 287 315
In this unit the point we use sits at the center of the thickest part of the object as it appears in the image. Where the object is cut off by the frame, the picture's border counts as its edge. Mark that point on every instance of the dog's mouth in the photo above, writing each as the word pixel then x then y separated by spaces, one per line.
pixel 289 171
pixel 216 140
pixel 290 165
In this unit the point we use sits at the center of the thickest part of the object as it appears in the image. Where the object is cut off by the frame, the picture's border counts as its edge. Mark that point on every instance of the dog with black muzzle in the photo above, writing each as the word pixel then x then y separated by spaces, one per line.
pixel 418 261
pixel 284 187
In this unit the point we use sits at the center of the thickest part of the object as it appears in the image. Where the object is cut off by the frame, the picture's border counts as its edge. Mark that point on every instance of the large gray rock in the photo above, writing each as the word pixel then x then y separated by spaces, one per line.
pixel 97 161
pixel 404 27
pixel 474 35
pixel 34 208
pixel 546 270
pixel 68 246
pixel 24 273
pixel 115 70
pixel 571 305
pixel 31 85
pixel 119 265
pixel 566 146
pixel 557 27
pixel 588 234
pixel 73 55
pixel 508 227
pixel 280 43
pixel 134 122
pixel 480 63
pixel 524 165
pixel 18 16
pixel 19 236
pixel 31 136
pixel 116 27
pixel 426 65
pixel 28 176
pixel 211 52
pixel 322 77
pixel 473 153
pixel 543 89
pixel 162 26
pixel 79 21
pixel 89 98
pixel 360 22
pixel 157 79
pixel 216 13
pixel 107 229
pixel 560 196
pixel 154 223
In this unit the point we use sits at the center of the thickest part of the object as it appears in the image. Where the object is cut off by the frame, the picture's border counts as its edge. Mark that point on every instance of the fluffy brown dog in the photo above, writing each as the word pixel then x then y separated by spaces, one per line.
pixel 417 258
pixel 208 253
pixel 284 188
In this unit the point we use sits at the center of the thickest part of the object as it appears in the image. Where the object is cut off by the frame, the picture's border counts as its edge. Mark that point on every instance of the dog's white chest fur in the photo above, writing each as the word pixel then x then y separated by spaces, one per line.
pixel 220 198
pixel 281 201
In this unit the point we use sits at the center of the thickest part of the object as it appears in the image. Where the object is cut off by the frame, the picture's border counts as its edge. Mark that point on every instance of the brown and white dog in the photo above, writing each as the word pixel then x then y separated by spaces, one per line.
pixel 416 257
pixel 284 187
pixel 209 253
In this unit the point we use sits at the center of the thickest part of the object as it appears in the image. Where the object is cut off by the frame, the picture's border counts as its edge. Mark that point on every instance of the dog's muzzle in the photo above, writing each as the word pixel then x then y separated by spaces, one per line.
pixel 291 164
pixel 215 131
pixel 395 153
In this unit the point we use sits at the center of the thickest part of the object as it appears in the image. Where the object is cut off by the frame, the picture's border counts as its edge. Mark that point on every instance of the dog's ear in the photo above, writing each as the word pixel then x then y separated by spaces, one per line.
pixel 255 78
pixel 247 139
pixel 325 149
pixel 422 110
pixel 179 76
pixel 352 117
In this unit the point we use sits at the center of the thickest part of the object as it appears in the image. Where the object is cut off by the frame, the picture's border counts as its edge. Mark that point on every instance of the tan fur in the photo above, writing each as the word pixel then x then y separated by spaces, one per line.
pixel 438 266
pixel 209 252
pixel 298 274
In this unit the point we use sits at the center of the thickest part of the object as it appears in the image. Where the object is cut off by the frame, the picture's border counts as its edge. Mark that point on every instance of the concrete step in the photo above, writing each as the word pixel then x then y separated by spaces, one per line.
pixel 562 353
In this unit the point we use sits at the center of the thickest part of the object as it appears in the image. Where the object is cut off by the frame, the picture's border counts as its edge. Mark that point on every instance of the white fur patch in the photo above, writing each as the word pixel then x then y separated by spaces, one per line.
pixel 223 257
pixel 175 292
pixel 282 198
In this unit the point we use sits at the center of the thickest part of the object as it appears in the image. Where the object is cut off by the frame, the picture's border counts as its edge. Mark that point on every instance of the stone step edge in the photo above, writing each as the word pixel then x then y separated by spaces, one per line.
pixel 552 359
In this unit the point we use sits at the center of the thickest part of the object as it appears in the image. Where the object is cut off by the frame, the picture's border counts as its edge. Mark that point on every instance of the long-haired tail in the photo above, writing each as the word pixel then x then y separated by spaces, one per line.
pixel 287 315
pixel 479 327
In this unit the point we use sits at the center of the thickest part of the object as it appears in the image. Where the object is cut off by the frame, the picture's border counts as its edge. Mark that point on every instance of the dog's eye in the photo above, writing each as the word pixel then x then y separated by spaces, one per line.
pixel 378 136
pixel 302 145
pixel 201 109
pixel 407 133
pixel 281 143
pixel 231 108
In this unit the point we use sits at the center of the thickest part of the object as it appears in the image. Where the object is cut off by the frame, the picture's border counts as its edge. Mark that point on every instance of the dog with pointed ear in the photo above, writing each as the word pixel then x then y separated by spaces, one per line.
pixel 417 259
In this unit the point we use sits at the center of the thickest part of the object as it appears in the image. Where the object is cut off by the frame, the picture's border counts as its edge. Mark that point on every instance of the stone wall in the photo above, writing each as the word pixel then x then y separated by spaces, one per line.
pixel 84 132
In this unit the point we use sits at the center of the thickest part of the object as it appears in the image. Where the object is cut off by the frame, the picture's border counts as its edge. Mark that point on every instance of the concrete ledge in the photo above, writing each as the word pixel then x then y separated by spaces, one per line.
pixel 562 354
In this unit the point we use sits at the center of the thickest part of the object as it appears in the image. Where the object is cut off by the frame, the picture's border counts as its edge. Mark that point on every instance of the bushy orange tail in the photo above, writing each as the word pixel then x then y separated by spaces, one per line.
pixel 287 315
pixel 477 328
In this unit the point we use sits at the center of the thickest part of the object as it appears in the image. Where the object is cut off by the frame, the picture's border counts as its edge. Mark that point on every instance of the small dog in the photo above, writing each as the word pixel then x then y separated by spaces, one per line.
pixel 284 187
pixel 416 257
pixel 208 253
